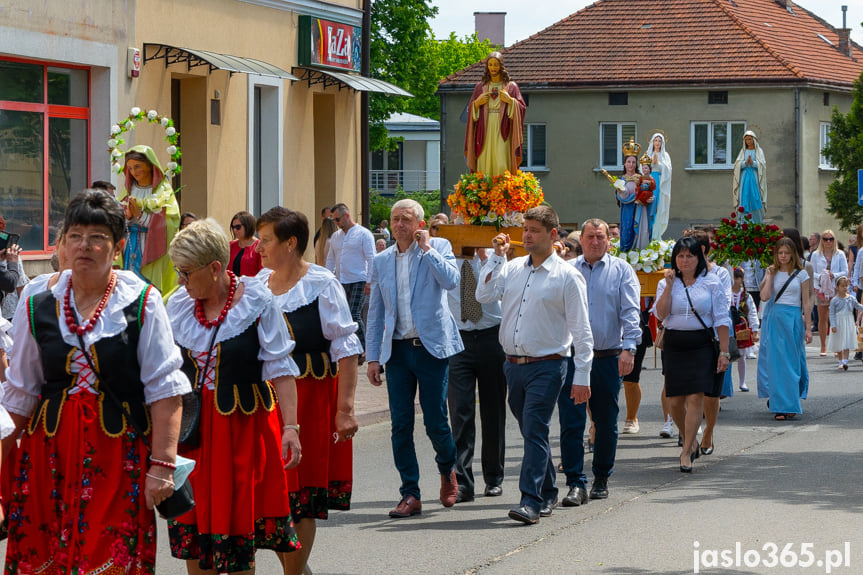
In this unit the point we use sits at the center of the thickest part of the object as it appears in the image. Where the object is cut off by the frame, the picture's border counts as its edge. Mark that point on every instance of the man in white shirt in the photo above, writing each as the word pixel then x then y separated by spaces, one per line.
pixel 479 368
pixel 352 250
pixel 544 314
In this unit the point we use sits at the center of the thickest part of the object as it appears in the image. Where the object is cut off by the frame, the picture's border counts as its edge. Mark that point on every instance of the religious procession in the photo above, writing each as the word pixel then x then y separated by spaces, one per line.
pixel 174 373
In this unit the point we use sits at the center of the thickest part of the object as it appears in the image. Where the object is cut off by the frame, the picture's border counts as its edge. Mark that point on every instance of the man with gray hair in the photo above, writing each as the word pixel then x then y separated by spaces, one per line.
pixel 352 250
pixel 412 331
pixel 613 295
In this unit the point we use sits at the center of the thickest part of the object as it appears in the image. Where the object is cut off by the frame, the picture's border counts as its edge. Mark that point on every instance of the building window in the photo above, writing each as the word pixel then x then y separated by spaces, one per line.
pixel 826 98
pixel 823 142
pixel 266 123
pixel 534 150
pixel 612 136
pixel 618 98
pixel 44 146
pixel 715 144
pixel 717 97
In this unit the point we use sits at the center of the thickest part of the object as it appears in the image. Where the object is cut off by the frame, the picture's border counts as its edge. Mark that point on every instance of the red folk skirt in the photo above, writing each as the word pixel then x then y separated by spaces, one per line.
pixel 241 491
pixel 77 503
pixel 326 470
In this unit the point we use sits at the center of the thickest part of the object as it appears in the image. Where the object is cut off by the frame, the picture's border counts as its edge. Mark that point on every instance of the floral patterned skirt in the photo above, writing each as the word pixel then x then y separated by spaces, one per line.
pixel 241 491
pixel 326 471
pixel 76 503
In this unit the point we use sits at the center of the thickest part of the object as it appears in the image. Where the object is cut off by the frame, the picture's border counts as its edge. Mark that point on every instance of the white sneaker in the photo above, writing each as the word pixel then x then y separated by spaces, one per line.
pixel 630 426
pixel 667 429
pixel 744 387
pixel 751 354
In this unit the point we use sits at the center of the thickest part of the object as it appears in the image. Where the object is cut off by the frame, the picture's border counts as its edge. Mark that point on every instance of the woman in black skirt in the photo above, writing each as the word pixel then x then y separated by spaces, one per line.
pixel 695 315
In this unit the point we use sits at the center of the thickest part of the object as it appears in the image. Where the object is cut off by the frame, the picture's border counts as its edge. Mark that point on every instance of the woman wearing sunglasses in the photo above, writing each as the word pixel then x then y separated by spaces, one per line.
pixel 244 259
pixel 827 263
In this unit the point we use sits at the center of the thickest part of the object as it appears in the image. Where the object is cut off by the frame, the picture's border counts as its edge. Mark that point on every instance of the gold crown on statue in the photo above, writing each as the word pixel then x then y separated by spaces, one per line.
pixel 646 159
pixel 631 149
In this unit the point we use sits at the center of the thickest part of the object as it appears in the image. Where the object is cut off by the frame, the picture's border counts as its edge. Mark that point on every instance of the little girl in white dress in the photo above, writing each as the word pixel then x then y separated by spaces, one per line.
pixel 843 333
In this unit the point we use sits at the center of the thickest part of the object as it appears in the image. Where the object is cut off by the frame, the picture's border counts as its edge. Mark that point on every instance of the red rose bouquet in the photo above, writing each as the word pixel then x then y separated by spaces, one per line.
pixel 738 239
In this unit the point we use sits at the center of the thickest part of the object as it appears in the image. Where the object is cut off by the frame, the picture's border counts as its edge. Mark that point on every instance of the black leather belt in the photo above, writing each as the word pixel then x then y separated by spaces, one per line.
pixel 414 341
pixel 524 359
pixel 599 353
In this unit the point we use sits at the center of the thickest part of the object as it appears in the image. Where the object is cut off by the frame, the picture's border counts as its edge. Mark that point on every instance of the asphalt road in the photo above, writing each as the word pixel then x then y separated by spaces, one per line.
pixel 793 485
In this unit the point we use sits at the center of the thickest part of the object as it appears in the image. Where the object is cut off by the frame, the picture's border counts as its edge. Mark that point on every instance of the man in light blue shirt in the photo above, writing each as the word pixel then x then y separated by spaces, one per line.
pixel 613 295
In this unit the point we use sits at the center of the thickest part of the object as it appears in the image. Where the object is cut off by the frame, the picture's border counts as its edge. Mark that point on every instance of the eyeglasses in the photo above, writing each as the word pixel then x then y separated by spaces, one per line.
pixel 184 275
pixel 828 239
pixel 337 220
pixel 237 227
pixel 94 240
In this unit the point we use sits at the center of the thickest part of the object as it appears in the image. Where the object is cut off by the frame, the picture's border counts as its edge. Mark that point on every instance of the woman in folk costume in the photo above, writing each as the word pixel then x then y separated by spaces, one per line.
pixel 83 487
pixel 153 218
pixel 750 178
pixel 661 208
pixel 495 122
pixel 237 349
pixel 318 316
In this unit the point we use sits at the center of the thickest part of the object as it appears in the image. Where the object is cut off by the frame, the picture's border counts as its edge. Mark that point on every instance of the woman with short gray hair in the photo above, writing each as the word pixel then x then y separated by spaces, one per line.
pixel 236 350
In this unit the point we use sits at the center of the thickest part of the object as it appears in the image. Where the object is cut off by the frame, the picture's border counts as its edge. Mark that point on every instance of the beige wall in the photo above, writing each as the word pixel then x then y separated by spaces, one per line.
pixel 247 30
pixel 578 191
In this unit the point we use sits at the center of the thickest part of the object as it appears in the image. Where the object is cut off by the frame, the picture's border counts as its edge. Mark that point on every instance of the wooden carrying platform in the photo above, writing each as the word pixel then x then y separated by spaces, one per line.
pixel 466 238
pixel 648 282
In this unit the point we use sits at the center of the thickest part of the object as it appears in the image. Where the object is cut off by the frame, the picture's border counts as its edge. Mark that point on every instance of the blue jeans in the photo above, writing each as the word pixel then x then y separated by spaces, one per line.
pixel 533 390
pixel 410 367
pixel 605 384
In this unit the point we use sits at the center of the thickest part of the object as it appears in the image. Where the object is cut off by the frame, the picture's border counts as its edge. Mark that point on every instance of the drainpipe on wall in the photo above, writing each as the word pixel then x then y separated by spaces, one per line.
pixel 442 178
pixel 364 116
pixel 797 188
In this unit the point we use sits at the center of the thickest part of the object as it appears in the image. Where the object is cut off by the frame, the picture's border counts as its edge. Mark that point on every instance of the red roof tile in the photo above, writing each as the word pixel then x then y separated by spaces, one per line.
pixel 650 42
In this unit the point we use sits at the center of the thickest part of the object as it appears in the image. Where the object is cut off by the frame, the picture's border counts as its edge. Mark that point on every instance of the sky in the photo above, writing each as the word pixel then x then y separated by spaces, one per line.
pixel 525 18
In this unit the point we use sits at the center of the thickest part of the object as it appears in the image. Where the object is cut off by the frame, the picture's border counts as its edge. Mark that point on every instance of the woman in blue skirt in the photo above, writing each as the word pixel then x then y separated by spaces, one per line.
pixel 785 329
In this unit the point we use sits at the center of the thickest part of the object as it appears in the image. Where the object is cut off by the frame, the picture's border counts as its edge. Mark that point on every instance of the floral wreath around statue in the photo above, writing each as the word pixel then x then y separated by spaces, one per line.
pixel 499 200
pixel 128 124
pixel 652 258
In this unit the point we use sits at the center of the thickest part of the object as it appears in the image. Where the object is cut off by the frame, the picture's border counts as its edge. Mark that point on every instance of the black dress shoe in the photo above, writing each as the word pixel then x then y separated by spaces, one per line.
pixel 525 514
pixel 685 469
pixel 493 490
pixel 679 441
pixel 599 489
pixel 463 497
pixel 548 508
pixel 576 497
pixel 707 450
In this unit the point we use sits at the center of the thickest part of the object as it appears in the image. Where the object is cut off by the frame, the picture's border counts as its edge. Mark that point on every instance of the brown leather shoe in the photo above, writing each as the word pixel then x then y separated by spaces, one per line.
pixel 407 507
pixel 448 489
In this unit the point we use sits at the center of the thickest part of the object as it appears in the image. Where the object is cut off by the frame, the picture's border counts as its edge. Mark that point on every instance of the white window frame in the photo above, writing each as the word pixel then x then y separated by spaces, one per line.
pixel 618 146
pixel 823 141
pixel 729 157
pixel 528 147
pixel 274 152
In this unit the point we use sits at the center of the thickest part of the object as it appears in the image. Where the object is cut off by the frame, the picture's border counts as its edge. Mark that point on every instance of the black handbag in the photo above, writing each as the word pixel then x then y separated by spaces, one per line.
pixel 733 350
pixel 190 423
pixel 183 499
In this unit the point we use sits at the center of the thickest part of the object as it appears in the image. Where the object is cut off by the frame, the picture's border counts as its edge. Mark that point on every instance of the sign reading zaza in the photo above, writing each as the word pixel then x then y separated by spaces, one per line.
pixel 329 44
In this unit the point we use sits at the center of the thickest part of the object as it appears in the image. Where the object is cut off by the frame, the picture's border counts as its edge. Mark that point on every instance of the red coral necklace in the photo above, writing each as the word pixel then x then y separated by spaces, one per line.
pixel 72 320
pixel 199 306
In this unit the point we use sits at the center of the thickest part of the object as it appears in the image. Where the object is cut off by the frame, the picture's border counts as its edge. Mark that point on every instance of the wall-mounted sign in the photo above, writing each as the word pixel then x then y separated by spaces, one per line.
pixel 329 44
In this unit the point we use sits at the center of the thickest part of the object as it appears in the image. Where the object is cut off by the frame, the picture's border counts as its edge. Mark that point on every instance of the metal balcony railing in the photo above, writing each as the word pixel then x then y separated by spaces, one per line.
pixel 388 181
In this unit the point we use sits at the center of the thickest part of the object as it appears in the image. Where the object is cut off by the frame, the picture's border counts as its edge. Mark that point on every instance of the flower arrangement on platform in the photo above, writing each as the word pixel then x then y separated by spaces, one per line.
pixel 739 240
pixel 127 124
pixel 499 200
pixel 653 258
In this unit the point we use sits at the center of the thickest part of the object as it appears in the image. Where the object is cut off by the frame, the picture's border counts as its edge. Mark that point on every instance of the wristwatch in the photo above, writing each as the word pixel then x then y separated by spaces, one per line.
pixel 725 354
pixel 630 350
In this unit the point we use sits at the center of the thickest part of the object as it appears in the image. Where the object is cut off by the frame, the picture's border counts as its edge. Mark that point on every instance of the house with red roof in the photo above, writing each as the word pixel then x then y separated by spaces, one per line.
pixel 699 71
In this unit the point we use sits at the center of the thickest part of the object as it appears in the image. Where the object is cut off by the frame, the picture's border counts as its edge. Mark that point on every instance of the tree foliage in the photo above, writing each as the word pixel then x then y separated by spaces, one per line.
pixel 399 30
pixel 845 152
pixel 405 52
pixel 382 205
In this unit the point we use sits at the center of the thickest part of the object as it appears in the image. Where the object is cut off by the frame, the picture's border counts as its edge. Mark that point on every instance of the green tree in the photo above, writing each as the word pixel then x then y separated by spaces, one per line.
pixel 399 31
pixel 444 57
pixel 382 205
pixel 845 152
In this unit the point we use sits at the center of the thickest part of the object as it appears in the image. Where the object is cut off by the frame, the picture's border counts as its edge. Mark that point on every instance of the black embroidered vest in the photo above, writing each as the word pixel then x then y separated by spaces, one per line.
pixel 115 358
pixel 238 374
pixel 312 352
